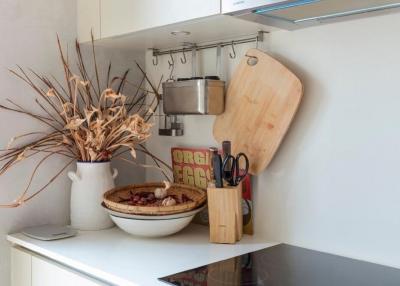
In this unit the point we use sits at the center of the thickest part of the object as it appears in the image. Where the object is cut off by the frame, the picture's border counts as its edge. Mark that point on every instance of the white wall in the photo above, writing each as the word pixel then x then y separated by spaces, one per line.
pixel 334 183
pixel 28 38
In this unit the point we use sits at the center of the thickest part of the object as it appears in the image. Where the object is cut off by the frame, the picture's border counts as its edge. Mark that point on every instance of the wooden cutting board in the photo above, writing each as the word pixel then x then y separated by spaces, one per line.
pixel 261 102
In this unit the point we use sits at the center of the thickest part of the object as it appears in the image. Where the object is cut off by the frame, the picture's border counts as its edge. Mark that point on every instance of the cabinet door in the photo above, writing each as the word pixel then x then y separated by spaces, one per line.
pixel 88 19
pixel 20 267
pixel 127 16
pixel 47 273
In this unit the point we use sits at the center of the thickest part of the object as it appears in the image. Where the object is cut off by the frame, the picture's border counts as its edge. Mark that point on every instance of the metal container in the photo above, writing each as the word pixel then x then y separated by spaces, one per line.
pixel 194 96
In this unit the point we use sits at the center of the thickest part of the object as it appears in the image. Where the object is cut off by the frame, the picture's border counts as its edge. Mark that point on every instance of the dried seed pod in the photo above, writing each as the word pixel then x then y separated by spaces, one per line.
pixel 160 193
pixel 168 202
pixel 167 185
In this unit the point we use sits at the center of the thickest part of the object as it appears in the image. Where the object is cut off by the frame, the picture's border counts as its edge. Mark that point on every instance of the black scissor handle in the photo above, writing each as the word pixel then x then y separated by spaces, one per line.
pixel 239 177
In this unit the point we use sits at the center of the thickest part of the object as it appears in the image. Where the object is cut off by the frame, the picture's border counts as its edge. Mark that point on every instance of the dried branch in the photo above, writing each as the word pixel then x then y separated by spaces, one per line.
pixel 87 124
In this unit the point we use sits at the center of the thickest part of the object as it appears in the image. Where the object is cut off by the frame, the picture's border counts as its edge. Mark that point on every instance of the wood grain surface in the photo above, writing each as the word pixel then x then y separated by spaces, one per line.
pixel 261 102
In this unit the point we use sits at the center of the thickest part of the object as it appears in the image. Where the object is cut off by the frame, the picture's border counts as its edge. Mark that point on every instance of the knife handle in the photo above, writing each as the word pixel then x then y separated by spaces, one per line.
pixel 217 166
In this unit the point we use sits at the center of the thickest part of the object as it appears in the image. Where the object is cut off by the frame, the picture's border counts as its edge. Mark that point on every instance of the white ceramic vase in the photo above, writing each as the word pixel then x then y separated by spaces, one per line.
pixel 90 181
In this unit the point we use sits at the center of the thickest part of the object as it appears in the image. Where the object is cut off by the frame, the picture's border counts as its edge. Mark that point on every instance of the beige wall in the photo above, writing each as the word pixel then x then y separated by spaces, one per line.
pixel 333 185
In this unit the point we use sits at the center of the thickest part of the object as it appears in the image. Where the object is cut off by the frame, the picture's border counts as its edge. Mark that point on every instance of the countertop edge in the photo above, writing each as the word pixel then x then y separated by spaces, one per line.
pixel 67 253
pixel 73 264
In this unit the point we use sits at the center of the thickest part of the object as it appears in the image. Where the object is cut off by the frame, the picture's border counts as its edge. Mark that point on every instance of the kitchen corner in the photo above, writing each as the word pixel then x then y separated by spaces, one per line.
pixel 116 258
pixel 200 143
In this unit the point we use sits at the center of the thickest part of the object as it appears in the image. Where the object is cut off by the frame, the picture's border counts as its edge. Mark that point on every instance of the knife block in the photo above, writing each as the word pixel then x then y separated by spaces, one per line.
pixel 225 214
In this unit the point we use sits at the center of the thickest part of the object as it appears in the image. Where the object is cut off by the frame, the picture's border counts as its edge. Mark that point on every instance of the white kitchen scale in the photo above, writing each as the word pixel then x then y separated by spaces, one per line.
pixel 49 232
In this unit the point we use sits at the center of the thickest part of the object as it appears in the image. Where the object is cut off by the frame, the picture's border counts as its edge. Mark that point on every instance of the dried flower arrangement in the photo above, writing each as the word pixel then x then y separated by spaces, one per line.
pixel 87 123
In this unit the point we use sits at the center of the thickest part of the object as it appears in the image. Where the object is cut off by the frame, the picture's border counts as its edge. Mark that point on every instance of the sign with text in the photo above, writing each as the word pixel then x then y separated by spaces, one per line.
pixel 191 166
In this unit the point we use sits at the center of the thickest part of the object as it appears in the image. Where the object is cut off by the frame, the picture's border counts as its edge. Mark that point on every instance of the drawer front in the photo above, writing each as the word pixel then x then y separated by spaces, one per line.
pixel 47 273
pixel 21 262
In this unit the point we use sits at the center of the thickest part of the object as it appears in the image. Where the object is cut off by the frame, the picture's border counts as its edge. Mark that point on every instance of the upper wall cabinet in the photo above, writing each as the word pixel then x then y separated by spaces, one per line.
pixel 136 25
pixel 127 16
pixel 88 19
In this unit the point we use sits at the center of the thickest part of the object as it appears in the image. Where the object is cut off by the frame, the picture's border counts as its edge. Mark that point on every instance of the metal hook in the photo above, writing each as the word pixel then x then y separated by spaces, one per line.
pixel 155 58
pixel 183 61
pixel 171 77
pixel 171 66
pixel 232 56
pixel 171 63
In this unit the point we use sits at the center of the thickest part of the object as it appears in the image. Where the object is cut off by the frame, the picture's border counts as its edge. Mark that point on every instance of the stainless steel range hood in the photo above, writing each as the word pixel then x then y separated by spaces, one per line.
pixel 303 13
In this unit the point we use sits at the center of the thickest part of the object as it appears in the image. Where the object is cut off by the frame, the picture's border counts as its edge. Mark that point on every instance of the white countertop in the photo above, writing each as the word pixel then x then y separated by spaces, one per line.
pixel 120 259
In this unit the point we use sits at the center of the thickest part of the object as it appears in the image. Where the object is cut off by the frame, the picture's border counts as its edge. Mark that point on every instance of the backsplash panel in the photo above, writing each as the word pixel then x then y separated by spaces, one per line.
pixel 333 184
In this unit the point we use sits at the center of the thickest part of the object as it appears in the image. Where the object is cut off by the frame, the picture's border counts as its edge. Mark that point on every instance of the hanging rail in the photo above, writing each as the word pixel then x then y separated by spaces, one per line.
pixel 258 38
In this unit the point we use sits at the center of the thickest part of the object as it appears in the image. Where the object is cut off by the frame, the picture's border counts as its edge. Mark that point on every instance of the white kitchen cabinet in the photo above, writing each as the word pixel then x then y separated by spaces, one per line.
pixel 21 265
pixel 88 19
pixel 137 25
pixel 127 16
pixel 47 273
pixel 28 269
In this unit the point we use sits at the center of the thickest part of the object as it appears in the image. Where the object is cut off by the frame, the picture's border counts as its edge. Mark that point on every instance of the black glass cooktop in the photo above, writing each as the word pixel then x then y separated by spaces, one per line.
pixel 285 265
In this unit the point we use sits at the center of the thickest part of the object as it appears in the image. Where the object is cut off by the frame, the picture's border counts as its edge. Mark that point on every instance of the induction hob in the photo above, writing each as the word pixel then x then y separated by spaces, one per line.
pixel 286 265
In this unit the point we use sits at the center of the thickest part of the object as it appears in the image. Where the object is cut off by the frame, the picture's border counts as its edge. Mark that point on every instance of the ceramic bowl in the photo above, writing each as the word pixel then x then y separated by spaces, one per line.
pixel 158 227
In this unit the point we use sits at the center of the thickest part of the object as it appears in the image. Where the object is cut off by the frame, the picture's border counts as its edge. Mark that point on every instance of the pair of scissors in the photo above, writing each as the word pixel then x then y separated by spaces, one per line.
pixel 235 174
